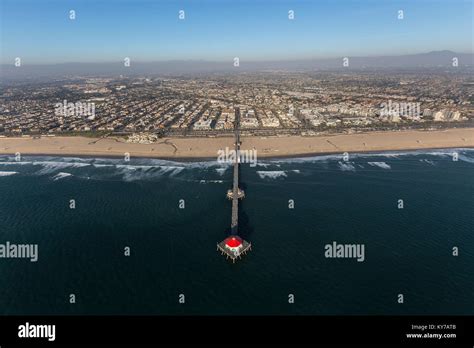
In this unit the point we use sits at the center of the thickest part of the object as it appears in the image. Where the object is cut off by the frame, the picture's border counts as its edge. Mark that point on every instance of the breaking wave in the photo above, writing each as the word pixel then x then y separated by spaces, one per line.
pixel 136 169
pixel 7 173
pixel 49 167
pixel 465 154
pixel 263 174
pixel 382 165
pixel 61 175
pixel 211 181
pixel 213 171
pixel 221 171
pixel 346 166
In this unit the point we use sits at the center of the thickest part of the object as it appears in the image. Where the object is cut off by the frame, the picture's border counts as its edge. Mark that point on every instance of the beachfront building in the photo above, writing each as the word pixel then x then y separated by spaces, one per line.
pixel 203 125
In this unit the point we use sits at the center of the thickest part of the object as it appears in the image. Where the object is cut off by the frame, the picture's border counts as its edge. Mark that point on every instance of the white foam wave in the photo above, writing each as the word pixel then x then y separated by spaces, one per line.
pixel 389 154
pixel 134 167
pixel 20 163
pixel 466 159
pixel 61 175
pixel 346 166
pixel 96 165
pixel 133 172
pixel 263 174
pixel 49 167
pixel 382 165
pixel 7 173
pixel 221 171
pixel 319 158
pixel 112 161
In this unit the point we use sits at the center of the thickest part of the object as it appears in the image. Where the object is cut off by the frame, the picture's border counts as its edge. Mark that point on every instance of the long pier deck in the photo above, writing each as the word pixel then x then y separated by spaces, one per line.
pixel 235 187
pixel 234 246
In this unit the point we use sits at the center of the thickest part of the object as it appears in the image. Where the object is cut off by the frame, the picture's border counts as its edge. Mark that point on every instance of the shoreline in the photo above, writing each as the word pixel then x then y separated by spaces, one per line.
pixel 208 159
pixel 204 149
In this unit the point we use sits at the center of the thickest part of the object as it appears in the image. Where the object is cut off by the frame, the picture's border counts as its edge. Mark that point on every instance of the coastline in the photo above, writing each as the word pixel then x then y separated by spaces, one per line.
pixel 195 149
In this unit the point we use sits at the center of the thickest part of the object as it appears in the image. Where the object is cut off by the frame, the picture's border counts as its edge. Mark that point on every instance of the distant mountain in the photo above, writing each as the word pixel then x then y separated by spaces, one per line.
pixel 441 59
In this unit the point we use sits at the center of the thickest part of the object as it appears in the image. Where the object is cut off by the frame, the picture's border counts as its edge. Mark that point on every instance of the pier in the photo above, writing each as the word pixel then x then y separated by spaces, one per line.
pixel 233 247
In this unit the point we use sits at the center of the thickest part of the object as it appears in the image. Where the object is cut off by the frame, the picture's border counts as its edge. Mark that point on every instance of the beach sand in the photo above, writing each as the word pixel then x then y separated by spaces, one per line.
pixel 265 146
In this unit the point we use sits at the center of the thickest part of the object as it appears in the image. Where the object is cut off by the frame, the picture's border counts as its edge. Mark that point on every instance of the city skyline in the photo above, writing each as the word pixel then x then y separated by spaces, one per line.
pixel 219 31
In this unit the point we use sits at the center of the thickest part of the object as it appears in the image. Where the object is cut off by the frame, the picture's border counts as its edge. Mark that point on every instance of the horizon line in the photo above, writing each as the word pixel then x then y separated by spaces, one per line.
pixel 231 58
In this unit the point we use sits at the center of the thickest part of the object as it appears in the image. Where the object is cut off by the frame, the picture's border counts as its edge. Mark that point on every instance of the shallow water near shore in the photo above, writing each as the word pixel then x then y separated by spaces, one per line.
pixel 173 251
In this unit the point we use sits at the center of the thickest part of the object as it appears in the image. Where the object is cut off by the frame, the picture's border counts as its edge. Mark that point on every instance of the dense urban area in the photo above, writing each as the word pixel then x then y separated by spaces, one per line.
pixel 271 103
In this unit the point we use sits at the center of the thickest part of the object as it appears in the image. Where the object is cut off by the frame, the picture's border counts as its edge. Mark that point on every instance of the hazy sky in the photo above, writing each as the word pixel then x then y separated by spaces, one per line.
pixel 40 31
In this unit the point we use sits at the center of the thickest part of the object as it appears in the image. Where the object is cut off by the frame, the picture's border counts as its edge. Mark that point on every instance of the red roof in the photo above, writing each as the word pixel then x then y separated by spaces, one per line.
pixel 233 242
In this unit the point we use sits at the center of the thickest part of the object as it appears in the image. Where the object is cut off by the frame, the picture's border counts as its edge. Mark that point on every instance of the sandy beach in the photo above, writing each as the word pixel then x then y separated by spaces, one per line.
pixel 265 146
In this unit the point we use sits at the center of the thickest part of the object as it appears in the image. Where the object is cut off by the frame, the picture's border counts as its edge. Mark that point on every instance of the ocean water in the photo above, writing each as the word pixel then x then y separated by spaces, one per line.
pixel 408 251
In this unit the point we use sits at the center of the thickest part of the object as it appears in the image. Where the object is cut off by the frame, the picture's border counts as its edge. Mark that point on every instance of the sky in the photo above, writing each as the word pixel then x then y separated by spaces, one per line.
pixel 41 32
